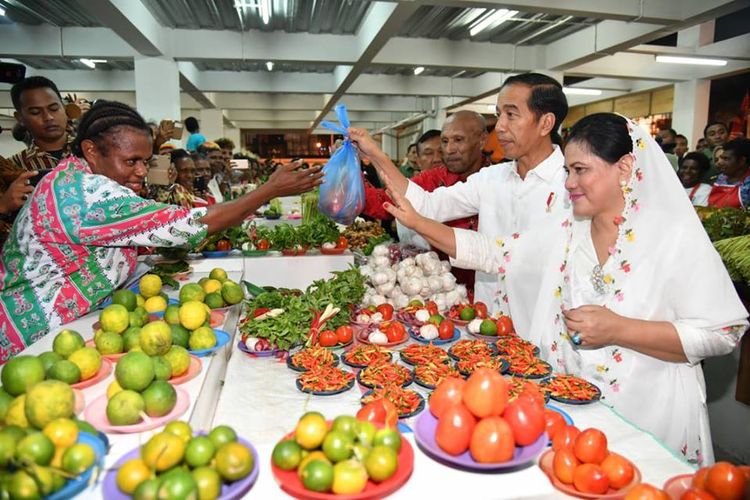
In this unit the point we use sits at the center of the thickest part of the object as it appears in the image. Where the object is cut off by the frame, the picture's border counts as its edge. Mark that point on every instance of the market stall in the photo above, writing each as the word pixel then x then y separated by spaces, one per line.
pixel 256 396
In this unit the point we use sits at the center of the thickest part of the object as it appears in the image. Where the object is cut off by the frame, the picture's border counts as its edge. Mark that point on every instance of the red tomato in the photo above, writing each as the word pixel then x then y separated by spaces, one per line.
pixel 533 393
pixel 565 437
pixel 386 310
pixel 380 411
pixel 480 309
pixel 486 393
pixel 447 393
pixel 263 245
pixel 699 478
pixel 344 334
pixel 745 469
pixel 395 332
pixel 564 465
pixel 591 446
pixel 342 242
pixel 526 419
pixel 223 245
pixel 492 441
pixel 504 326
pixel 645 491
pixel 590 478
pixel 725 481
pixel 454 429
pixel 696 494
pixel 446 329
pixel 553 422
pixel 328 338
pixel 619 470
pixel 259 311
pixel 431 307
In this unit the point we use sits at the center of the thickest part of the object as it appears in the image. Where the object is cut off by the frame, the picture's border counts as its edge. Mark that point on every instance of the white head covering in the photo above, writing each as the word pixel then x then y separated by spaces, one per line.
pixel 662 267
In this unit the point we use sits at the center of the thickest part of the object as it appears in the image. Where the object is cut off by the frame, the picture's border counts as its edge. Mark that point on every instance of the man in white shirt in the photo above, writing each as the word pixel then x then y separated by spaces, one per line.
pixel 526 196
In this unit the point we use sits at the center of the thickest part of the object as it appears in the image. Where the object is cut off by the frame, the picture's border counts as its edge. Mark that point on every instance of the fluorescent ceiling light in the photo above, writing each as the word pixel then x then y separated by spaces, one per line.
pixel 88 62
pixel 418 70
pixel 495 19
pixel 269 65
pixel 265 10
pixel 492 107
pixel 2 11
pixel 700 61
pixel 577 91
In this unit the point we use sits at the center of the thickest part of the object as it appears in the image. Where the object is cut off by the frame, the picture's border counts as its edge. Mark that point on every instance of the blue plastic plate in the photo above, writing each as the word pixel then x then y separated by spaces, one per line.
pixel 222 338
pixel 213 255
pixel 575 401
pixel 75 486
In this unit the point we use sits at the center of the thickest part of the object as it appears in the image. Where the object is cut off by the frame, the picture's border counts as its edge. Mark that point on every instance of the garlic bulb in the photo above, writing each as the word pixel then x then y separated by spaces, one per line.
pixel 474 326
pixel 428 332
pixel 377 337
pixel 422 315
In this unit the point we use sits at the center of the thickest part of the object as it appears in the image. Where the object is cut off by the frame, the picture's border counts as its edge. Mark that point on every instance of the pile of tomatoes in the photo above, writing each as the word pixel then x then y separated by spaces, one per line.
pixel 721 481
pixel 582 459
pixel 467 312
pixel 476 415
pixel 394 330
pixel 341 336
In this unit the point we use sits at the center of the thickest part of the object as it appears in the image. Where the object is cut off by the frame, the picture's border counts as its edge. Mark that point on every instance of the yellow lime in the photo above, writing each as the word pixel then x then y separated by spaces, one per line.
pixel 193 314
pixel 163 451
pixel 63 432
pixel 131 474
pixel 180 429
pixel 88 361
pixel 48 401
pixel 17 412
pixel 78 458
pixel 156 338
pixel 219 274
pixel 211 285
pixel 179 359
pixel 114 318
pixel 150 285
pixel 155 304
pixel 172 314
pixel 232 293
pixel 202 338
pixel 192 291
pixel 139 300
pixel 66 342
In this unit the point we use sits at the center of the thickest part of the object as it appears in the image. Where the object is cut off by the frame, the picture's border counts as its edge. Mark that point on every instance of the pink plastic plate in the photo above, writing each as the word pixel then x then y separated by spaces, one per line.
pixel 111 357
pixel 104 370
pixel 96 414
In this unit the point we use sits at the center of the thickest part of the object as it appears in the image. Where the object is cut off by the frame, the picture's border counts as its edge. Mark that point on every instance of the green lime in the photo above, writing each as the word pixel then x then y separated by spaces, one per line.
pixel 318 476
pixel 22 485
pixel 131 338
pixel 17 433
pixel 338 446
pixel 78 458
pixel 488 327
pixel 467 314
pixel 388 437
pixel 162 368
pixel 172 314
pixel 180 335
pixel 65 371
pixel 345 424
pixel 199 452
pixel 381 463
pixel 365 432
pixel 221 435
pixel 5 401
pixel 37 448
pixel 208 482
pixel 214 300
pixel 48 359
pixel 178 485
pixel 233 461
pixel 159 398
pixel 110 343
pixel 67 342
pixel 147 490
pixel 287 454
pixel 125 298
pixel 416 303
pixel 20 373
pixel 435 319
pixel 7 449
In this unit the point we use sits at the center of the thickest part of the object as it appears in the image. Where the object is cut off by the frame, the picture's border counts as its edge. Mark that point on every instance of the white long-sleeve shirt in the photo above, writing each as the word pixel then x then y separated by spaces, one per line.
pixel 506 205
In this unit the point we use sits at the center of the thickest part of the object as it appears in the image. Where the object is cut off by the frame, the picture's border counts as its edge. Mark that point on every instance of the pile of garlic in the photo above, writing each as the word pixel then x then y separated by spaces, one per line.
pixel 422 277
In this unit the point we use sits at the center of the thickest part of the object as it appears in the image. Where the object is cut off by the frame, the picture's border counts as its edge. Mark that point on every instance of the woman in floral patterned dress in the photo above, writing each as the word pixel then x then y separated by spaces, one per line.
pixel 640 296
pixel 76 239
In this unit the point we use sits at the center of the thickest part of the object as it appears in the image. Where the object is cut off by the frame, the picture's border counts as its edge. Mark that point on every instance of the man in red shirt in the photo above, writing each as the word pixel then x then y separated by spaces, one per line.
pixel 461 141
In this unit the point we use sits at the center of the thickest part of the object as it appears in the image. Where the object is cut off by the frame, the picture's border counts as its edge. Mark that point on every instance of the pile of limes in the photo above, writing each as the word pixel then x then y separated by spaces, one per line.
pixel 36 463
pixel 70 361
pixel 142 385
pixel 177 464
pixel 339 457
pixel 216 290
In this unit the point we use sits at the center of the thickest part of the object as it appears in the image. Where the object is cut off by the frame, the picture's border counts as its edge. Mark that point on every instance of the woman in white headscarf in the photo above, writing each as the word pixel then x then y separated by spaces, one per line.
pixel 640 296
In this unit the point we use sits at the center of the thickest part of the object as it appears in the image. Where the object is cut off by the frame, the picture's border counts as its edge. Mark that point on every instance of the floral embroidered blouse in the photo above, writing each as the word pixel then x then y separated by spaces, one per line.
pixel 72 244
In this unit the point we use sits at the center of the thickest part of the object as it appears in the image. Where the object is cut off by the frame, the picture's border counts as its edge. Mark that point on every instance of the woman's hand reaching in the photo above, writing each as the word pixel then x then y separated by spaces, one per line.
pixel 400 209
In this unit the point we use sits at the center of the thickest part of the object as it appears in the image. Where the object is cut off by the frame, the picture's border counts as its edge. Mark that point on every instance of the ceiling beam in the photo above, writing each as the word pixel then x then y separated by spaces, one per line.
pixel 132 22
pixel 69 42
pixel 381 22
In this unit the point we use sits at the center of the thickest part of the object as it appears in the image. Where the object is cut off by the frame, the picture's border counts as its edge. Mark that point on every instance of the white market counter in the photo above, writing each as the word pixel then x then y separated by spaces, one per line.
pixel 258 398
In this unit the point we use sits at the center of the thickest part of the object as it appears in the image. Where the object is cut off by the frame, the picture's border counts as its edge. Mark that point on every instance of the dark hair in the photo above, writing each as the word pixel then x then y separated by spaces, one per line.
pixel 670 130
pixel 429 135
pixel 412 145
pixel 739 147
pixel 604 134
pixel 702 160
pixel 21 134
pixel 196 156
pixel 680 136
pixel 711 124
pixel 178 154
pixel 102 120
pixel 191 124
pixel 31 83
pixel 225 143
pixel 546 97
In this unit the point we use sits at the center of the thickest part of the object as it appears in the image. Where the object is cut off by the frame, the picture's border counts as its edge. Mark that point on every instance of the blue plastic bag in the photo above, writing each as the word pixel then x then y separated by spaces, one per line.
pixel 342 195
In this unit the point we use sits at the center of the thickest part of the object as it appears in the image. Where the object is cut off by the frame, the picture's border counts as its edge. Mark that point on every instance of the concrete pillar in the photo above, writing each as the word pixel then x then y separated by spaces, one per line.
pixel 690 109
pixel 157 88
pixel 690 105
pixel 434 122
pixel 234 135
pixel 212 123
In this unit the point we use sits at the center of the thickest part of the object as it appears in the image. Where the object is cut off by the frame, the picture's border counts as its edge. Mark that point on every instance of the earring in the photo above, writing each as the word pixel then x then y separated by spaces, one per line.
pixel 623 184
